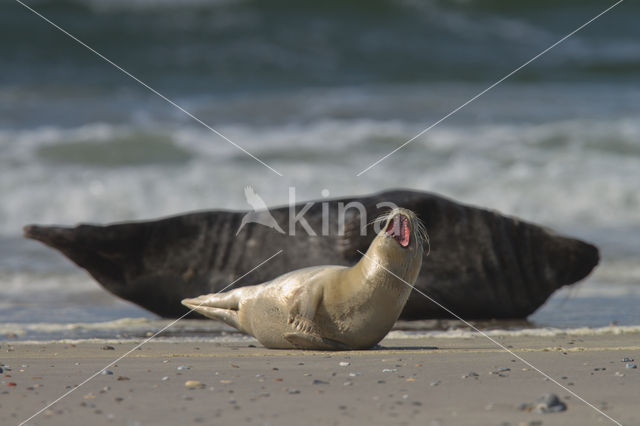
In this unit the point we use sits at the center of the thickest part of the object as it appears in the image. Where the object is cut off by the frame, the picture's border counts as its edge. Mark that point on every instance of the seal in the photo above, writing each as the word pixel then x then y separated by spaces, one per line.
pixel 329 307
pixel 483 264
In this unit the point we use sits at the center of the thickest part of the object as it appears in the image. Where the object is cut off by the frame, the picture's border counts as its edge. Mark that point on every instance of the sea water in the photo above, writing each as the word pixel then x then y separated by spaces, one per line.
pixel 319 92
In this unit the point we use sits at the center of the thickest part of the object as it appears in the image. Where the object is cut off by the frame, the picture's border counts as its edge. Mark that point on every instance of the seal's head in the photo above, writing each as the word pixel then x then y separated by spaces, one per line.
pixel 403 227
pixel 399 244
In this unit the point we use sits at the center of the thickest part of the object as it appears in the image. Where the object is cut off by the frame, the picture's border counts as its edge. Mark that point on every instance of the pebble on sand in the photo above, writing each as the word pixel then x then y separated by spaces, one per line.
pixel 501 372
pixel 192 384
pixel 547 403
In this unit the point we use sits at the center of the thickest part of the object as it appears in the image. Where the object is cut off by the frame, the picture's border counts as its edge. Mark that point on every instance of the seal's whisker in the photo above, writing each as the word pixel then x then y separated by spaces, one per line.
pixel 382 218
pixel 422 233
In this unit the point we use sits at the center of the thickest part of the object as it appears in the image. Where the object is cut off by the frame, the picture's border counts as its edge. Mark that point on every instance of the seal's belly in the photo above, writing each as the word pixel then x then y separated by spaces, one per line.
pixel 268 322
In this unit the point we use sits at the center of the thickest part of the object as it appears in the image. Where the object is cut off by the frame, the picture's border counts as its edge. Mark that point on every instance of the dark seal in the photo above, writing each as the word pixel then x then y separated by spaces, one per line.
pixel 482 264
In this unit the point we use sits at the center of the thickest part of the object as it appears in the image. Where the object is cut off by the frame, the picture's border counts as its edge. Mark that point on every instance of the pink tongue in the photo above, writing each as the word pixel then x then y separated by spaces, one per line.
pixel 399 229
pixel 404 232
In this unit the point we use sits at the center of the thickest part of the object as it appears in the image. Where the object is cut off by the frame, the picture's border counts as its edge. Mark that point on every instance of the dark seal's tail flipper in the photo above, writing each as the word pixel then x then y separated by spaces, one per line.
pixel 152 264
pixel 157 263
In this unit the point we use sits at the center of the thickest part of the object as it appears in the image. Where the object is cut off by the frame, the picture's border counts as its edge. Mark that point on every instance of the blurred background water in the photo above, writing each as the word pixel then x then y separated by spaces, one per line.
pixel 318 91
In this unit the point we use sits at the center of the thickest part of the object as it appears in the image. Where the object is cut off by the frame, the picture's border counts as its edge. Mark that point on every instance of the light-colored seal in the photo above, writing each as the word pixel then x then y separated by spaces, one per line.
pixel 329 307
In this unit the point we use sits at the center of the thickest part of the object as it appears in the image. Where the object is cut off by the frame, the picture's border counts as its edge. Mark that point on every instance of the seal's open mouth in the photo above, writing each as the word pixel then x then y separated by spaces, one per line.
pixel 398 228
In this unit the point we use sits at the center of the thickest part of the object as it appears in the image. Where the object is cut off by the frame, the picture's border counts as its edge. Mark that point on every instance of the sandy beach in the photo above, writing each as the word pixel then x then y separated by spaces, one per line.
pixel 424 379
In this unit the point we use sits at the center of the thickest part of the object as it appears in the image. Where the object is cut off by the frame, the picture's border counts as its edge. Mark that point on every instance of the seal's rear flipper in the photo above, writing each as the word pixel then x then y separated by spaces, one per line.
pixel 228 300
pixel 310 341
pixel 228 316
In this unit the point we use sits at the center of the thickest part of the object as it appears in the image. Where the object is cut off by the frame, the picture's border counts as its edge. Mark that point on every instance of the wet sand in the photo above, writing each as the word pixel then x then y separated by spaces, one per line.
pixel 425 380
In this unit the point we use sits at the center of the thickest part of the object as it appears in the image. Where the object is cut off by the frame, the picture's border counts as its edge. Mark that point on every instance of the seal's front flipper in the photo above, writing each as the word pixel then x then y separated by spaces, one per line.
pixel 310 341
pixel 304 304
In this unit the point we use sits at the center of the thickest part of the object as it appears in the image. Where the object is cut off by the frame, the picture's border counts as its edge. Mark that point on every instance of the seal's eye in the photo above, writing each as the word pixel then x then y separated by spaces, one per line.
pixel 398 228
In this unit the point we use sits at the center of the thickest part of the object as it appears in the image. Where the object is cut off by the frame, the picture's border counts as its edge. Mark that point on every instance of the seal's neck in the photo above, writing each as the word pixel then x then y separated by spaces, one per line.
pixel 388 267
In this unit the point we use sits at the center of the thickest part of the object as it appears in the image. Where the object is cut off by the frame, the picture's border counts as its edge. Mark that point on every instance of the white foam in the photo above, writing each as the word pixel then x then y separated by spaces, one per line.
pixel 123 326
pixel 502 166
pixel 212 331
pixel 534 332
